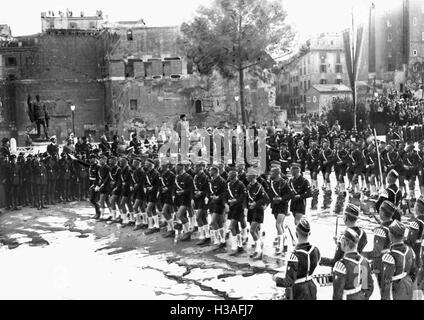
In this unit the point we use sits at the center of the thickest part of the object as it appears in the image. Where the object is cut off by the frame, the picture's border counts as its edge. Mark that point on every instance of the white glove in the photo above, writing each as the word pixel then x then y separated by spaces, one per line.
pixel 97 189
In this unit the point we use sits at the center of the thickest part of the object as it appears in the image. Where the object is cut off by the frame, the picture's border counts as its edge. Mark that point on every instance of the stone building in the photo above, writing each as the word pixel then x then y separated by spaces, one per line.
pixel 122 77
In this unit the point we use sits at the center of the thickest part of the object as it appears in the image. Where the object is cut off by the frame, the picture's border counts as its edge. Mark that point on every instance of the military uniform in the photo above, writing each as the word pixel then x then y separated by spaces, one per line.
pixel 280 195
pixel 93 177
pixel 399 268
pixel 393 194
pixel 217 188
pixel 201 190
pixel 236 190
pixel 257 198
pixel 301 157
pixel 301 190
pixel 300 268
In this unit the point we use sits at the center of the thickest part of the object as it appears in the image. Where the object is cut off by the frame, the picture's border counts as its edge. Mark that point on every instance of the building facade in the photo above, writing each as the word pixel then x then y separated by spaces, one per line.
pixel 320 97
pixel 324 63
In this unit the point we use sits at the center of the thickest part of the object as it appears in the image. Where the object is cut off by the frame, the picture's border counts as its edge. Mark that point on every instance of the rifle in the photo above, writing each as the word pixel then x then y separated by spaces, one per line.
pixel 379 160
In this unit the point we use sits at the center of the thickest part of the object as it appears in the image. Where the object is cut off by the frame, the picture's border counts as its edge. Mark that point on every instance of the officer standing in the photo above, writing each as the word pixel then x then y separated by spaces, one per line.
pixel 300 267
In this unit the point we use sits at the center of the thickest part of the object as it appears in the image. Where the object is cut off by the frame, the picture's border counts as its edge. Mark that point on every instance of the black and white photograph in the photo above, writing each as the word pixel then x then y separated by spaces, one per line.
pixel 212 154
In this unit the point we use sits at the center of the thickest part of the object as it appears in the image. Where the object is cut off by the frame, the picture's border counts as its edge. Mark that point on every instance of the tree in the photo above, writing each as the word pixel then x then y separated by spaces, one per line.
pixel 415 79
pixel 236 35
pixel 342 110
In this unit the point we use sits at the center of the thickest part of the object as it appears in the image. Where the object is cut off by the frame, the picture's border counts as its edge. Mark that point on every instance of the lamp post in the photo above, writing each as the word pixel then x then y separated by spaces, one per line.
pixel 73 118
pixel 237 98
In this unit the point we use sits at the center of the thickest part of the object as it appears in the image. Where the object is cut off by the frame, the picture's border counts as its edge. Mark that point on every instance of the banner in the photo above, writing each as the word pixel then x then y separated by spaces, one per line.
pixel 348 53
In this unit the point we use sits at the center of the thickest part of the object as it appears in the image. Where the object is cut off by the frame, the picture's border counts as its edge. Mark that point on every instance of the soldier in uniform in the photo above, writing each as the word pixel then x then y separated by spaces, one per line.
pixel 26 180
pixel 65 177
pixel 218 189
pixel 301 190
pixel 411 163
pixel 40 173
pixel 183 197
pixel 279 195
pixel 200 204
pixel 5 148
pixel 357 166
pixel 301 155
pixel 420 155
pixel 340 167
pixel 53 148
pixel 285 158
pixel 152 184
pixel 381 238
pixel 139 194
pixel 257 199
pixel 236 195
pixel 300 267
pixel 313 166
pixel 14 178
pixel 52 172
pixel 371 170
pixel 93 177
pixel 166 195
pixel 350 219
pixel 126 193
pixel 103 187
pixel 399 268
pixel 135 143
pixel 352 273
pixel 392 193
pixel 116 189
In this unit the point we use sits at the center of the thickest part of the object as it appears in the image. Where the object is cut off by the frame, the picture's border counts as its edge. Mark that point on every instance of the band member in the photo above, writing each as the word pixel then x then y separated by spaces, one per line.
pixel 200 204
pixel 301 266
pixel 352 273
pixel 166 197
pixel 399 268
pixel 392 193
pixel 236 193
pixel 126 192
pixel 350 219
pixel 94 176
pixel 301 155
pixel 139 194
pixel 280 195
pixel 381 238
pixel 301 190
pixel 218 189
pixel 152 184
pixel 257 199
pixel 183 197
pixel 357 166
pixel 285 158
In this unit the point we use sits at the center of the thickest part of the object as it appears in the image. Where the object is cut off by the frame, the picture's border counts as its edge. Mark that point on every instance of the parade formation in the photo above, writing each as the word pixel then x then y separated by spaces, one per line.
pixel 136 188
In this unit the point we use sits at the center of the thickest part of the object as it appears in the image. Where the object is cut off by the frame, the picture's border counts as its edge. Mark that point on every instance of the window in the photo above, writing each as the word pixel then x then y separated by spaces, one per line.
pixel 11 62
pixel 309 84
pixel 390 67
pixel 323 56
pixel 133 105
pixel 73 25
pixel 308 99
pixel 339 68
pixel 51 26
pixel 129 69
pixel 422 36
pixel 198 106
pixel 304 70
pixel 300 71
pixel 129 35
pixel 331 42
pixel 338 57
pixel 415 53
pixel 414 21
pixel 389 37
pixel 339 81
pixel 323 68
pixel 323 81
pixel 301 85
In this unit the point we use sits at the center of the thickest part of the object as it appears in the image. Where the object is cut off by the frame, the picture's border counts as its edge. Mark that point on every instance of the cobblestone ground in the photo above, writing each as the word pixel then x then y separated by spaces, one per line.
pixel 60 253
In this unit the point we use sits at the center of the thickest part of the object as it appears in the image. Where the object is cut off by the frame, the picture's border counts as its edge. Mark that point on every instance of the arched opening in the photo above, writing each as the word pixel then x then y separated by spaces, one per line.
pixel 198 106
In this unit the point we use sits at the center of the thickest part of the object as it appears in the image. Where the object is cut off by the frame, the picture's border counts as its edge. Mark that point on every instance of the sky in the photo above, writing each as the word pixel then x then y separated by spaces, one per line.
pixel 308 17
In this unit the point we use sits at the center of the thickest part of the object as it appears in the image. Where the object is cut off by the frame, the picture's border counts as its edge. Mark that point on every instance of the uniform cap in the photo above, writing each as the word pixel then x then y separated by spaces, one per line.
pixel 4 140
pixel 295 165
pixel 252 172
pixel 352 210
pixel 275 163
pixel 387 208
pixel 52 138
pixel 351 235
pixel 284 144
pixel 397 228
pixel 150 161
pixel 303 227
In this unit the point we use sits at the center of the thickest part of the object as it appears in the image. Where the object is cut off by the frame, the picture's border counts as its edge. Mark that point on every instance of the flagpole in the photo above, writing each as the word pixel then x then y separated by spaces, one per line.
pixel 354 74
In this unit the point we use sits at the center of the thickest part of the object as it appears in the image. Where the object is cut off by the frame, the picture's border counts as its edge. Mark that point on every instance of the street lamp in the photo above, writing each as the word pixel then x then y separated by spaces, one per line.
pixel 73 117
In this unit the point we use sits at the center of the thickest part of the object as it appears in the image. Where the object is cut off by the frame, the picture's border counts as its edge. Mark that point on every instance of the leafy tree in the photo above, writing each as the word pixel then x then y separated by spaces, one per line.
pixel 236 35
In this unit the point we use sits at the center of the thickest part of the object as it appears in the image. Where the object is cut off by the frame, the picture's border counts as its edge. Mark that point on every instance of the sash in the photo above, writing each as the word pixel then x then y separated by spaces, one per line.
pixel 250 197
pixel 178 186
pixel 148 180
pixel 272 187
pixel 163 183
pixel 194 183
pixel 292 187
pixel 297 154
pixel 229 191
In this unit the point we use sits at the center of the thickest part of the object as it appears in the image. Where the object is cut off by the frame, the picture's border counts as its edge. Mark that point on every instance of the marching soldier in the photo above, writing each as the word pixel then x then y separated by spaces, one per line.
pixel 313 166
pixel 381 238
pixel 280 195
pixel 93 177
pixel 40 173
pixel 340 167
pixel 236 193
pixel 301 266
pixel 218 189
pixel 301 155
pixel 126 193
pixel 285 158
pixel 350 219
pixel 52 172
pixel 103 187
pixel 166 197
pixel 257 199
pixel 411 163
pixel 183 197
pixel 357 166
pixel 352 273
pixel 116 187
pixel 399 268
pixel 200 204
pixel 152 187
pixel 371 168
pixel 421 166
pixel 392 193
pixel 139 194
pixel 301 190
